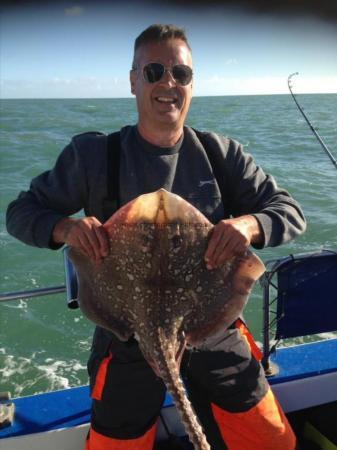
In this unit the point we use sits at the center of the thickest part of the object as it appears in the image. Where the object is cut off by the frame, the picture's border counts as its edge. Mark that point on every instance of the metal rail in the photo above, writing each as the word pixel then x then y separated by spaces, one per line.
pixel 38 292
pixel 320 140
pixel 70 287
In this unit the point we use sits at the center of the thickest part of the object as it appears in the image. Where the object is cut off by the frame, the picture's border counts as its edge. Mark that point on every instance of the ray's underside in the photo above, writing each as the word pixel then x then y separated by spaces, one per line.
pixel 155 285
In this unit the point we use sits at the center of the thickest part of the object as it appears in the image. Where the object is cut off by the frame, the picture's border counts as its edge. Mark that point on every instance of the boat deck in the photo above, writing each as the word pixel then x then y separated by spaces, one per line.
pixel 307 375
pixel 306 360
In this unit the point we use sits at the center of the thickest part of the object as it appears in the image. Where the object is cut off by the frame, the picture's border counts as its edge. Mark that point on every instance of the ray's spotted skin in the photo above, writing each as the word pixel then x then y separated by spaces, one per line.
pixel 155 285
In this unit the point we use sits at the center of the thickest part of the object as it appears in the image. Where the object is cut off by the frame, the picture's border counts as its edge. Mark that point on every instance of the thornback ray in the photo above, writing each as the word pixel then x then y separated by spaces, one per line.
pixel 154 285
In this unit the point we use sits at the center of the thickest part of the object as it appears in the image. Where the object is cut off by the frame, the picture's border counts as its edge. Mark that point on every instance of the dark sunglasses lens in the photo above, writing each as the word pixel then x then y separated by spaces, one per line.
pixel 182 74
pixel 153 72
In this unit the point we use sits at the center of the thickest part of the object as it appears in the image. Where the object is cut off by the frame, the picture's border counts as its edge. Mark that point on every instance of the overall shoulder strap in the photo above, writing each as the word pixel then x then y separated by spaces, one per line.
pixel 113 163
pixel 217 162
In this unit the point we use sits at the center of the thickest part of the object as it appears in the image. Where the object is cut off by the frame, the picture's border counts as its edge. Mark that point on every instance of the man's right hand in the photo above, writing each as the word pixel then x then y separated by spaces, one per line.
pixel 86 234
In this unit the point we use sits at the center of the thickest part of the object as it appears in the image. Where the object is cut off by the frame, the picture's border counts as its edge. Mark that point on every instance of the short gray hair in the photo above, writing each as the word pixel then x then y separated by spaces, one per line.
pixel 157 33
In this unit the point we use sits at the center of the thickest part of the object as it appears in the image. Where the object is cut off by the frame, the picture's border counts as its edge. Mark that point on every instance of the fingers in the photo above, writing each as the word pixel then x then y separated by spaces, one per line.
pixel 218 240
pixel 88 235
pixel 229 238
pixel 103 240
pixel 89 242
pixel 86 245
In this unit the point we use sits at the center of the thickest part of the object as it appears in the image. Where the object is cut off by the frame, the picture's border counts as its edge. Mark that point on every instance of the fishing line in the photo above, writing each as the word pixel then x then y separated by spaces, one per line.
pixel 320 140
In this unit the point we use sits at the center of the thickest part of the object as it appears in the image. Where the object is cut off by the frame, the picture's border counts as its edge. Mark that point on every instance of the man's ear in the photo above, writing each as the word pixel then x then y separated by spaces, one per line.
pixel 133 81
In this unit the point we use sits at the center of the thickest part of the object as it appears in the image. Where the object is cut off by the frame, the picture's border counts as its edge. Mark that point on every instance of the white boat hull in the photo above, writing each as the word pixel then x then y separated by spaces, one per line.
pixel 64 438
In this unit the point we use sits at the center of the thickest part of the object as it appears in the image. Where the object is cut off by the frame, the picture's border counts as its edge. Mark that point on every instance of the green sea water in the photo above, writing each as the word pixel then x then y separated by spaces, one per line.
pixel 43 344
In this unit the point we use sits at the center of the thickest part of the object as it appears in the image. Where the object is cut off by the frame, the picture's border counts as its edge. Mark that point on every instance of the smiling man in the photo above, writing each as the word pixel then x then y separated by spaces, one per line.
pixel 225 380
pixel 162 104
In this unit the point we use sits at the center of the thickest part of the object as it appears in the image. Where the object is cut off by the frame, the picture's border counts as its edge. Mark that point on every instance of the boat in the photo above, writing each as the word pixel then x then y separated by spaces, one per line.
pixel 300 303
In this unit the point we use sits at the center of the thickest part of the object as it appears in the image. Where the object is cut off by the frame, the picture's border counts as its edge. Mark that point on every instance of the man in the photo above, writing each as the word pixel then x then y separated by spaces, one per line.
pixel 225 381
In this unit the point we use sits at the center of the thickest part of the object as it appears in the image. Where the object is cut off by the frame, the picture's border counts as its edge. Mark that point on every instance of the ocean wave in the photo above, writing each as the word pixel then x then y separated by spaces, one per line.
pixel 38 373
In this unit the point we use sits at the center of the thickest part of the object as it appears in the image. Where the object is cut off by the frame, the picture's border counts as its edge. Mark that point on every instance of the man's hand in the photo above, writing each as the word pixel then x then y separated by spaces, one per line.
pixel 230 238
pixel 86 234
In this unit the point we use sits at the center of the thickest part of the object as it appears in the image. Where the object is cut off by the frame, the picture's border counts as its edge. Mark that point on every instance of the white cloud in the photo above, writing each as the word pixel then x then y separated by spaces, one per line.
pixel 231 62
pixel 61 81
pixel 74 11
pixel 218 85
pixel 93 87
pixel 314 84
pixel 57 87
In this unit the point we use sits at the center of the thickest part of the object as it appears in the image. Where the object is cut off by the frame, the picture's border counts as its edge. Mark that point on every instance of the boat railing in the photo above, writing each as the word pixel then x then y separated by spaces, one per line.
pixel 70 286
pixel 31 293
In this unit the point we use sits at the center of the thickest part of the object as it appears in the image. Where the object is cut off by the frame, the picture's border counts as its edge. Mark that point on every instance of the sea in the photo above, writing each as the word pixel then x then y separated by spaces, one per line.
pixel 44 345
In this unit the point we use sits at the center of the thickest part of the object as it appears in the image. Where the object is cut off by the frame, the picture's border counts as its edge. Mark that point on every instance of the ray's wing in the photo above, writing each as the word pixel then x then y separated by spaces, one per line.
pixel 223 298
pixel 98 295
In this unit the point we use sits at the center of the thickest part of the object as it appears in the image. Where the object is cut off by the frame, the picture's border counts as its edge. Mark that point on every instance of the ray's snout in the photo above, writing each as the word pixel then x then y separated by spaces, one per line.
pixel 161 207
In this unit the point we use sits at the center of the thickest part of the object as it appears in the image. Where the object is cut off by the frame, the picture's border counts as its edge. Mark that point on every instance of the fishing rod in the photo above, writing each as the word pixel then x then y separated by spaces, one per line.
pixel 320 140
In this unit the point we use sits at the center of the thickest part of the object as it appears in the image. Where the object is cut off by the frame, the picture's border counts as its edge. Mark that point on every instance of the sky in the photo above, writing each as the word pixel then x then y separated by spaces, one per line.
pixel 84 49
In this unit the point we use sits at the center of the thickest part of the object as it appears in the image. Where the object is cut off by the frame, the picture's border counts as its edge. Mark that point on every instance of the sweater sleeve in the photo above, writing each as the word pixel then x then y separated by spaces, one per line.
pixel 254 192
pixel 54 194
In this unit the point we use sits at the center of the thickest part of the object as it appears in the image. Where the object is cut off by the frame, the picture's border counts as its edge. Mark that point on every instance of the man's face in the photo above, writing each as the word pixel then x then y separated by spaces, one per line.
pixel 165 103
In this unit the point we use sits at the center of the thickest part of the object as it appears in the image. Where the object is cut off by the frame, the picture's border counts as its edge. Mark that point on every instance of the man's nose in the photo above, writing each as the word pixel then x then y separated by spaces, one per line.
pixel 168 78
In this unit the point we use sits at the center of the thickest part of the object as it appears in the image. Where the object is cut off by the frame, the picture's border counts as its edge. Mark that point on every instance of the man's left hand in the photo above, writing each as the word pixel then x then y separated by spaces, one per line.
pixel 230 238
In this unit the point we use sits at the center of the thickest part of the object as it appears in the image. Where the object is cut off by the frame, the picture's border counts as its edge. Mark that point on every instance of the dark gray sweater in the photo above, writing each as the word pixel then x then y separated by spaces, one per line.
pixel 79 181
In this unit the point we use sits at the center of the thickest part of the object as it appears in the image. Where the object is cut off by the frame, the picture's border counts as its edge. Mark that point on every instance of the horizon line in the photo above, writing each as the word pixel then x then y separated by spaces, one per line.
pixel 194 96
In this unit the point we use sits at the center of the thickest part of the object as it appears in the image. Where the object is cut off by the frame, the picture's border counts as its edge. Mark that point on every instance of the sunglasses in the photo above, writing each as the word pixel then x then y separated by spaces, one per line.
pixel 154 72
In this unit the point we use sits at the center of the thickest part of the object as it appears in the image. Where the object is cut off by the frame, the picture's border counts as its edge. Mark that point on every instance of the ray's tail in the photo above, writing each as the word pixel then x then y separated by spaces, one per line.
pixel 169 371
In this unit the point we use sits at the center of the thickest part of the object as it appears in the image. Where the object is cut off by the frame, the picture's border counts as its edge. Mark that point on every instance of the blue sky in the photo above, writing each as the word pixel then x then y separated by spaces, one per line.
pixel 66 49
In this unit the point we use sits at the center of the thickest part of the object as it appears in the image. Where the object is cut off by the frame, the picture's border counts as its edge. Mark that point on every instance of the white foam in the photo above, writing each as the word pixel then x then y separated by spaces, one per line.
pixel 328 335
pixel 24 376
pixel 21 304
pixel 84 345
